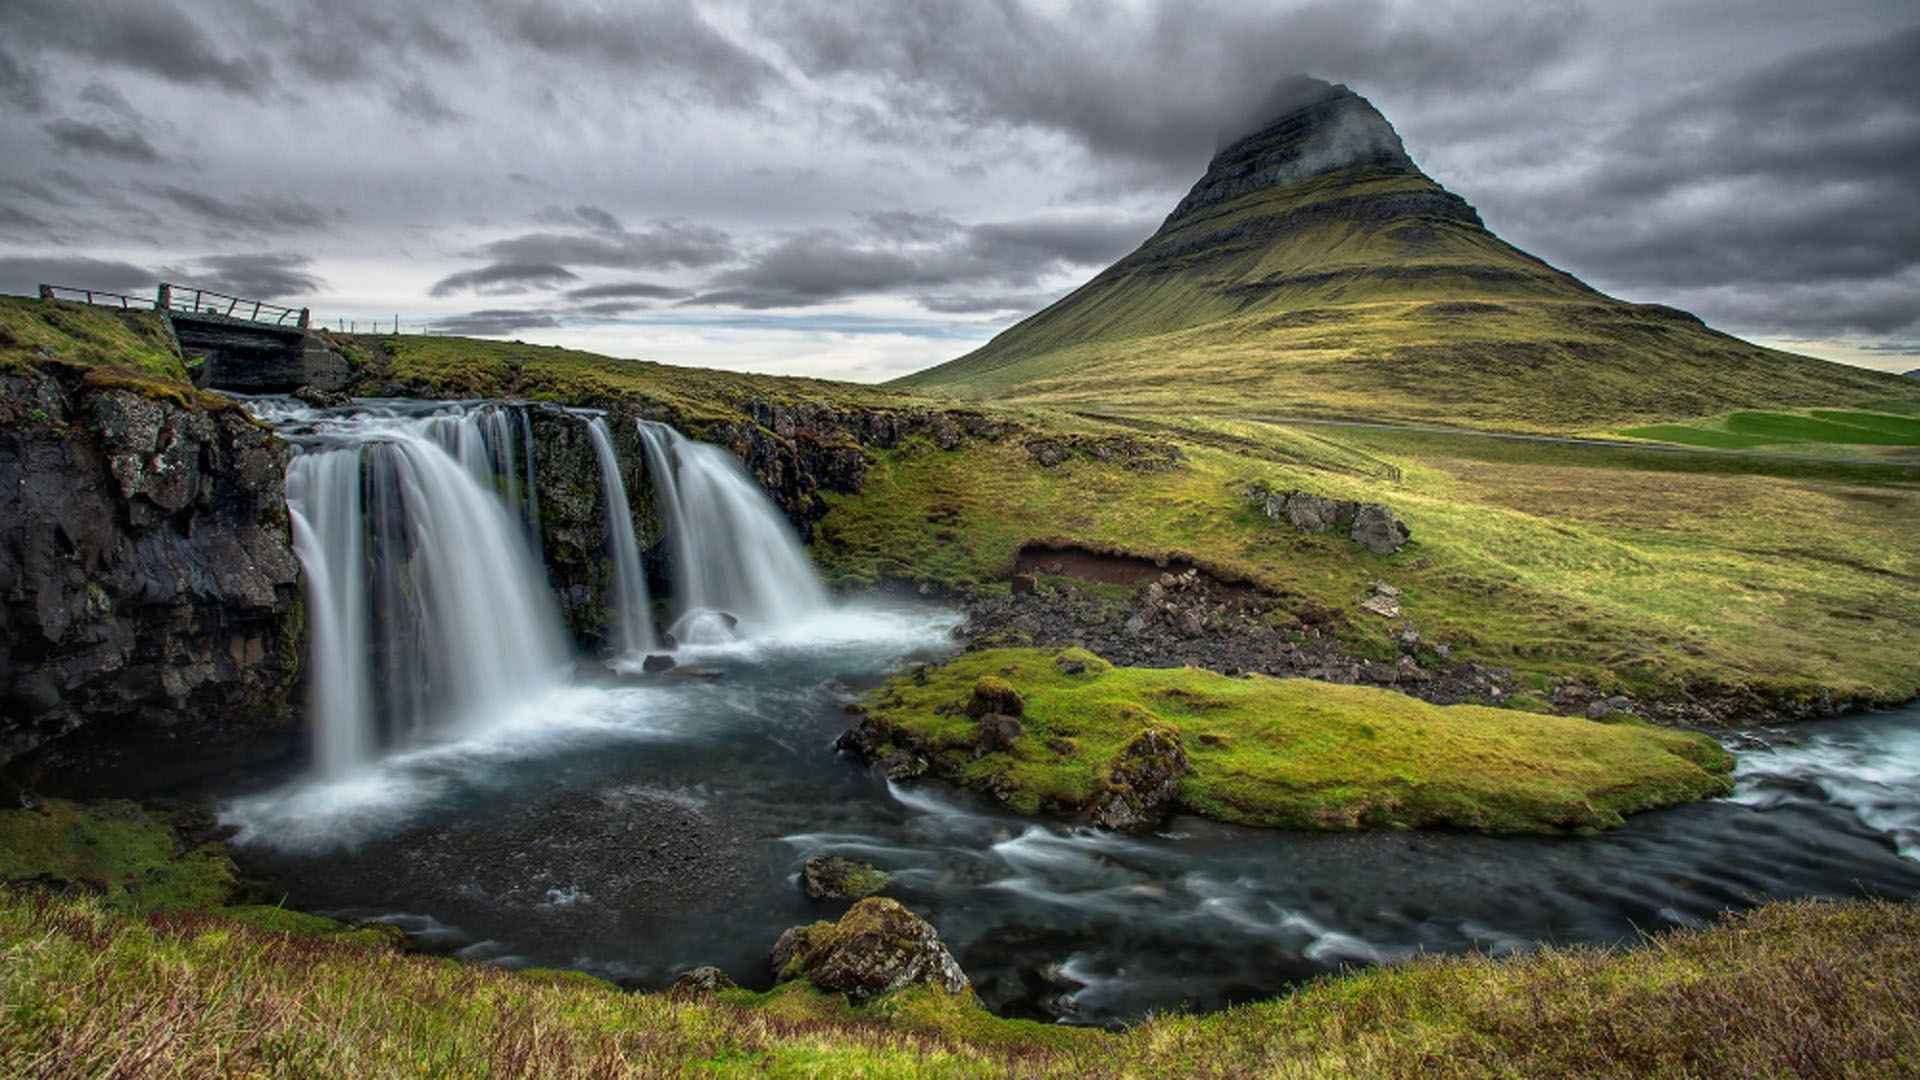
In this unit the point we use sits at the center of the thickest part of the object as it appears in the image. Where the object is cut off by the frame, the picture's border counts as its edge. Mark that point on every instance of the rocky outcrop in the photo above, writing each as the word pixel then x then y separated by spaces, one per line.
pixel 799 449
pixel 700 982
pixel 836 877
pixel 1140 785
pixel 149 595
pixel 1127 451
pixel 1373 526
pixel 573 530
pixel 876 948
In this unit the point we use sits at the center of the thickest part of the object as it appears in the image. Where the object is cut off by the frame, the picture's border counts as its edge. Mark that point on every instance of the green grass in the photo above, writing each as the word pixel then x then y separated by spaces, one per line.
pixel 114 849
pixel 1792 988
pixel 1662 574
pixel 1262 304
pixel 33 330
pixel 1295 753
pixel 469 367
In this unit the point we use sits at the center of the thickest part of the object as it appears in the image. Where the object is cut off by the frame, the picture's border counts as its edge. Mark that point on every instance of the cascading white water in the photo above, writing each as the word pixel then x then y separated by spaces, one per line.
pixel 421 580
pixel 730 547
pixel 631 604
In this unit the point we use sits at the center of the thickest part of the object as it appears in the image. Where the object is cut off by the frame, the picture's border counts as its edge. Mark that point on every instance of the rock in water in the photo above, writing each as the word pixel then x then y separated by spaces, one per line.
pixel 700 982
pixel 1143 780
pixel 835 877
pixel 877 947
pixel 657 662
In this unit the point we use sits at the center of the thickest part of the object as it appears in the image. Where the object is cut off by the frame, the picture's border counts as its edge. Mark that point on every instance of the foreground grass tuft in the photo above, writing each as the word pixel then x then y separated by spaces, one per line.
pixel 1805 988
pixel 1292 752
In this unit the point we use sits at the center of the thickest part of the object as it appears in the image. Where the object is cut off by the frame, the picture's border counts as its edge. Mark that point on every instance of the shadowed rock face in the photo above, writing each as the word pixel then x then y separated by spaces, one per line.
pixel 149 595
pixel 1314 128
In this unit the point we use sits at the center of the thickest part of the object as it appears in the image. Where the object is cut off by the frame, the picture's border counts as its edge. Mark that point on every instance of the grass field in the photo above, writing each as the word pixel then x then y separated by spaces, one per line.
pixel 1294 753
pixel 1793 988
pixel 1653 572
pixel 1810 431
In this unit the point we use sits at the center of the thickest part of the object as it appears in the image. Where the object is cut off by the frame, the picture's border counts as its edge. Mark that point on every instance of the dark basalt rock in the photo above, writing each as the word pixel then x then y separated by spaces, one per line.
pixel 573 531
pixel 876 948
pixel 700 982
pixel 149 593
pixel 1143 780
pixel 657 662
pixel 835 877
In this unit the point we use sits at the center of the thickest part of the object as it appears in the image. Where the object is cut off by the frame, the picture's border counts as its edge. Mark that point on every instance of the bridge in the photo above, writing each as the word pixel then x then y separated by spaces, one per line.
pixel 250 346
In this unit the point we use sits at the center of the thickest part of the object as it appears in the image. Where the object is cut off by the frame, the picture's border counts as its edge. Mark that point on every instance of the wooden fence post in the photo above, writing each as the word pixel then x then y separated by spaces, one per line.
pixel 304 318
pixel 163 299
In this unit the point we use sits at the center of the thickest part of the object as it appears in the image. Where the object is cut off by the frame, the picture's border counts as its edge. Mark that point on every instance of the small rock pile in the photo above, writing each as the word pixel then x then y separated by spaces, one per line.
pixel 1373 526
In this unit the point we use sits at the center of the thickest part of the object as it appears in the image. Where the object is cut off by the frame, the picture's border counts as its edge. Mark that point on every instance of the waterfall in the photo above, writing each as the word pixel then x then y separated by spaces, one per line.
pixel 730 547
pixel 421 580
pixel 634 611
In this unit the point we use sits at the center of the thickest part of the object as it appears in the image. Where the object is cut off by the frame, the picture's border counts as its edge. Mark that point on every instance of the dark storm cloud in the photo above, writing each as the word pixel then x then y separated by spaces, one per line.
pixel 629 290
pixel 259 276
pixel 20 87
pixel 664 244
pixel 1158 86
pixel 80 137
pixel 152 36
pixel 1023 303
pixel 592 217
pixel 17 220
pixel 246 214
pixel 1797 180
pixel 494 321
pixel 823 266
pixel 26 273
pixel 667 42
pixel 417 101
pixel 501 278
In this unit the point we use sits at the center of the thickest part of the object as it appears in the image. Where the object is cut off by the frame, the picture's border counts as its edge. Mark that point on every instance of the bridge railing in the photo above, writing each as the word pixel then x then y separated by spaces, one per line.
pixel 189 300
pixel 94 296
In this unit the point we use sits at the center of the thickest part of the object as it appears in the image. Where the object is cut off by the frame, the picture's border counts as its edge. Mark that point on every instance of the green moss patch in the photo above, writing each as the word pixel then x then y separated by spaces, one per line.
pixel 1295 753
pixel 32 330
pixel 115 850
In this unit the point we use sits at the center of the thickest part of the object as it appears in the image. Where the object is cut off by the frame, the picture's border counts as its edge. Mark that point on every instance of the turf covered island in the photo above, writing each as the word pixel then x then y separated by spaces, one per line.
pixel 1068 733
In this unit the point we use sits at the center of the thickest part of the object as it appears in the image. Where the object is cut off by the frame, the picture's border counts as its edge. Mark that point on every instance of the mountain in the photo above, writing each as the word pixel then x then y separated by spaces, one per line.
pixel 1316 269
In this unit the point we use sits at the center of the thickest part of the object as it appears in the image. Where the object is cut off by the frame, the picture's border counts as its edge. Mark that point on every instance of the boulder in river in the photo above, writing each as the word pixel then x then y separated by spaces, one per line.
pixel 657 662
pixel 836 877
pixel 700 982
pixel 877 947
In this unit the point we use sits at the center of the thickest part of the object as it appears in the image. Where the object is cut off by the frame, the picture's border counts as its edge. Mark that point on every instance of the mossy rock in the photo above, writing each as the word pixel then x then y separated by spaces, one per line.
pixel 992 695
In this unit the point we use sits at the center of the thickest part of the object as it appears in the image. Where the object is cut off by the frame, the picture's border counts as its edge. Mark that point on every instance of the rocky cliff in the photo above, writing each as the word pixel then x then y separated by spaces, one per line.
pixel 573 515
pixel 149 597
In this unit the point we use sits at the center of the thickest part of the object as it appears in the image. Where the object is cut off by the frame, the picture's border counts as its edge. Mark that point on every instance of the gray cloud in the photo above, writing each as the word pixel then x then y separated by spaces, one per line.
pixel 1780 199
pixel 80 137
pixel 417 101
pixel 258 275
pixel 246 214
pixel 153 36
pixel 26 273
pixel 823 266
pixel 629 290
pixel 1160 84
pixel 667 42
pixel 502 278
pixel 664 244
pixel 20 86
pixel 492 322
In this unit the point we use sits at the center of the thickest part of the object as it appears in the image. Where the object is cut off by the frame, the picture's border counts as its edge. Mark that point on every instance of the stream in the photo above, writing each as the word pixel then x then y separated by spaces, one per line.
pixel 636 826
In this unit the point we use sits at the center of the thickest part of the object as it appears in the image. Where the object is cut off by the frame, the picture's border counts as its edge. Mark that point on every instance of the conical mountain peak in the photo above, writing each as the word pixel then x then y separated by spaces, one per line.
pixel 1304 128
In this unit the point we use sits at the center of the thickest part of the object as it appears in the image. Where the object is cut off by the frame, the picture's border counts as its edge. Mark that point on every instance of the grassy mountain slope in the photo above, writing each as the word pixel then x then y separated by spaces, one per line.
pixel 1295 281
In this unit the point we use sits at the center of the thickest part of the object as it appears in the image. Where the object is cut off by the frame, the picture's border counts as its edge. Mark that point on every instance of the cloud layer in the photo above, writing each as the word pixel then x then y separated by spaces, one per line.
pixel 895 182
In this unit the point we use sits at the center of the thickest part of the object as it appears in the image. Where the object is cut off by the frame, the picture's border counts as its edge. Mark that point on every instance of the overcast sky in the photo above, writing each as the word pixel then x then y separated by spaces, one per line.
pixel 857 190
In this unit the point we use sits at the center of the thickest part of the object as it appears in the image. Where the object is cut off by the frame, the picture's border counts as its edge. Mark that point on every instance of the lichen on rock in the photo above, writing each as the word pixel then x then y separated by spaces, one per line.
pixel 877 947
